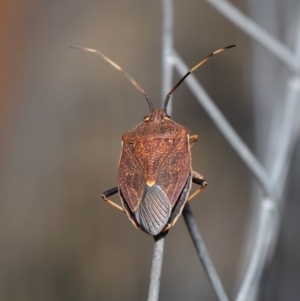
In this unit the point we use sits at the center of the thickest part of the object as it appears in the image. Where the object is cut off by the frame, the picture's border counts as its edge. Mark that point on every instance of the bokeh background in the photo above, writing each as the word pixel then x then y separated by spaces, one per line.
pixel 62 115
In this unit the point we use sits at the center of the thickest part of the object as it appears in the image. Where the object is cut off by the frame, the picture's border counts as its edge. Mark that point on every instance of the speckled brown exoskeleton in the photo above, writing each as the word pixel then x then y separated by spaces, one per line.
pixel 155 174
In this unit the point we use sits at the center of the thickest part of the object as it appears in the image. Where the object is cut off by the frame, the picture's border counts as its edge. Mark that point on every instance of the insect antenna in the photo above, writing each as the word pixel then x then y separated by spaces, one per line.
pixel 134 83
pixel 191 71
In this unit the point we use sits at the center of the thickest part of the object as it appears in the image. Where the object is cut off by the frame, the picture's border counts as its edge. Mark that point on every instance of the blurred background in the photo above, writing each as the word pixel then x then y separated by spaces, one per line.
pixel 62 115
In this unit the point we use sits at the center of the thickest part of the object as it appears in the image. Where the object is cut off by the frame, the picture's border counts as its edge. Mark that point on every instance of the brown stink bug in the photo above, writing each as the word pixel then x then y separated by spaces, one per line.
pixel 155 172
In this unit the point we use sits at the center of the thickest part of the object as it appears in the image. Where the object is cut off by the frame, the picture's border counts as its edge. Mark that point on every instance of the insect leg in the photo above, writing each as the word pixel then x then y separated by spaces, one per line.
pixel 180 204
pixel 166 228
pixel 109 193
pixel 197 179
pixel 192 140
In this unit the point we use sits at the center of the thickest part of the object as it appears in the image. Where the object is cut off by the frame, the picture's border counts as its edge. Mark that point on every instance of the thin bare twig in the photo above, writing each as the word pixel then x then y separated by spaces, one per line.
pixel 203 254
pixel 156 269
pixel 286 131
pixel 167 51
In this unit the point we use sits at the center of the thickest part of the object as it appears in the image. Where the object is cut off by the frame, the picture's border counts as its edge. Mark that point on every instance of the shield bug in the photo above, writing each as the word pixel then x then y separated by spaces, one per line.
pixel 155 172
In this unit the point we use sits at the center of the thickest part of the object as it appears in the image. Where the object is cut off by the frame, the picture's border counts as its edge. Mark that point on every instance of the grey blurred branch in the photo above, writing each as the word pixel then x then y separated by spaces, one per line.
pixel 255 32
pixel 260 249
pixel 287 131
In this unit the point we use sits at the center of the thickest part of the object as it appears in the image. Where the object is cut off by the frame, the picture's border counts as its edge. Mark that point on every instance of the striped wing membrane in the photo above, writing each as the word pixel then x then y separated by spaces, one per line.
pixel 154 210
